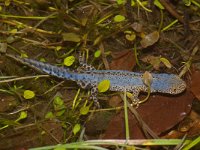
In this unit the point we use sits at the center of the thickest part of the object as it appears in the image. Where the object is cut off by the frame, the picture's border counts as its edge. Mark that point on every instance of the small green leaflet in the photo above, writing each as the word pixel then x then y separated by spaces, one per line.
pixel 28 94
pixel 49 115
pixel 23 115
pixel 76 128
pixel 97 54
pixel 58 48
pixel 119 18
pixel 84 110
pixel 103 86
pixel 58 101
pixel 166 62
pixel 59 106
pixel 68 61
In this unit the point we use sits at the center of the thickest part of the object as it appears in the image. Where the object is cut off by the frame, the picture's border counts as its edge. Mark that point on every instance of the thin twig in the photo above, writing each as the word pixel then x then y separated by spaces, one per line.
pixel 24 78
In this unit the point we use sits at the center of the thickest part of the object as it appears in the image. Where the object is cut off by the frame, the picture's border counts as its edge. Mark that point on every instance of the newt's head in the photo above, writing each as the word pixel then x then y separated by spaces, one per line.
pixel 168 83
pixel 178 86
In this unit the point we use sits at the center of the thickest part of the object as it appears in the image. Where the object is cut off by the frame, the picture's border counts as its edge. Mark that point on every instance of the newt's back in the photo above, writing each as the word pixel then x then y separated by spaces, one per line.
pixel 120 80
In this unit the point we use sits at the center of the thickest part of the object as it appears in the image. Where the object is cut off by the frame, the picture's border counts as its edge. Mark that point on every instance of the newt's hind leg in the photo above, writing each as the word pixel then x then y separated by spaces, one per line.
pixel 134 98
pixel 83 65
pixel 93 96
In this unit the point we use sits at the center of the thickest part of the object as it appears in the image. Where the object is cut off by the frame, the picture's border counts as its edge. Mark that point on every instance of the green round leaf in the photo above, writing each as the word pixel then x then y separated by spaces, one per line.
pixel 84 110
pixel 68 61
pixel 58 48
pixel 76 128
pixel 119 18
pixel 59 106
pixel 49 115
pixel 103 86
pixel 7 2
pixel 28 94
pixel 58 101
pixel 42 60
pixel 23 115
pixel 97 54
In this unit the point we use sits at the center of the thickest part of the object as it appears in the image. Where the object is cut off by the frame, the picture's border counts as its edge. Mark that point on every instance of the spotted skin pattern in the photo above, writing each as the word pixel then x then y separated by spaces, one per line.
pixel 119 80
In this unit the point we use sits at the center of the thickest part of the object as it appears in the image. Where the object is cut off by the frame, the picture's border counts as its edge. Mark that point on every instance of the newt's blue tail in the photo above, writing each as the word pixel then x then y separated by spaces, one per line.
pixel 60 72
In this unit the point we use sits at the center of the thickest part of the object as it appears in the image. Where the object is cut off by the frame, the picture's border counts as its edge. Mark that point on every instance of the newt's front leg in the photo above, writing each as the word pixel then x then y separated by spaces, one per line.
pixel 83 65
